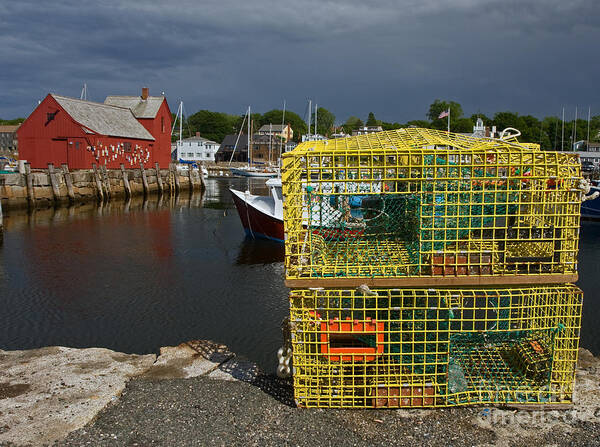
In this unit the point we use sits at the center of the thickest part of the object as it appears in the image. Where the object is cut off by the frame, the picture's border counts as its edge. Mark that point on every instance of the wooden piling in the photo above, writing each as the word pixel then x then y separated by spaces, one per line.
pixel 29 183
pixel 191 178
pixel 158 178
pixel 53 183
pixel 126 186
pixel 105 181
pixel 98 183
pixel 144 179
pixel 173 170
pixel 68 182
pixel 176 177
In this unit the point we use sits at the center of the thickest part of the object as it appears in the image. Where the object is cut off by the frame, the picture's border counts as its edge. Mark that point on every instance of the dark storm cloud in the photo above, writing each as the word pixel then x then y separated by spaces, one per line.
pixel 389 57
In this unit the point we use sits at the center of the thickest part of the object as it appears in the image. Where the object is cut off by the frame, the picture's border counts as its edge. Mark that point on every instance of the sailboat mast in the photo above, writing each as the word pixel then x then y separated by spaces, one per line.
pixel 281 139
pixel 588 132
pixel 562 140
pixel 575 129
pixel 270 140
pixel 180 123
pixel 316 119
pixel 237 139
pixel 249 141
pixel 309 116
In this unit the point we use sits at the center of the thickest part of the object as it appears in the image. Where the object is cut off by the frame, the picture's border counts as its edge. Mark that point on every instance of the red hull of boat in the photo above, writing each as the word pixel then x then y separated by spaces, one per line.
pixel 258 224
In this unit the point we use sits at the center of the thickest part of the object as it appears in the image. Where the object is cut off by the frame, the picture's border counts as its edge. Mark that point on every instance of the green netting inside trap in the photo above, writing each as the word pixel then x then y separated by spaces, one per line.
pixel 386 234
pixel 501 366
pixel 416 328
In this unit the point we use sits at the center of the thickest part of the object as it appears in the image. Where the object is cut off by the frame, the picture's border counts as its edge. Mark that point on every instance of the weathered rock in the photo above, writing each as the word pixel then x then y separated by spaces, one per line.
pixel 199 358
pixel 47 393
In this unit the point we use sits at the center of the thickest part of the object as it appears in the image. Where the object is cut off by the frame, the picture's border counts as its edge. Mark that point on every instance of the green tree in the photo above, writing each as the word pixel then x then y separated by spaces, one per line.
pixel 418 123
pixel 255 123
pixel 552 130
pixel 390 126
pixel 371 121
pixel 594 128
pixel 12 122
pixel 502 120
pixel 325 121
pixel 350 124
pixel 439 106
pixel 462 125
pixel 213 125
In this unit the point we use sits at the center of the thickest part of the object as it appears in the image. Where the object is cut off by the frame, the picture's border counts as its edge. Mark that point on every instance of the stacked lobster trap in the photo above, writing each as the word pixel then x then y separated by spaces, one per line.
pixel 431 269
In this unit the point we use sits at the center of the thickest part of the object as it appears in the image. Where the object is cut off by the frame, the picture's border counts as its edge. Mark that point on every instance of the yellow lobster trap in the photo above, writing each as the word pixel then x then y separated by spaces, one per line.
pixel 412 205
pixel 390 348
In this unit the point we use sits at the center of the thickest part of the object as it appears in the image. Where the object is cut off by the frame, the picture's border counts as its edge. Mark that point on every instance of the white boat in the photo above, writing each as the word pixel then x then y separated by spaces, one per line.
pixel 261 216
pixel 186 167
pixel 254 172
pixel 590 209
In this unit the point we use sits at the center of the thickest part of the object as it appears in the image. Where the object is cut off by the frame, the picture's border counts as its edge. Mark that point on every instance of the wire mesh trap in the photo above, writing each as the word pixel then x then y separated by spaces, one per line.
pixel 434 347
pixel 418 203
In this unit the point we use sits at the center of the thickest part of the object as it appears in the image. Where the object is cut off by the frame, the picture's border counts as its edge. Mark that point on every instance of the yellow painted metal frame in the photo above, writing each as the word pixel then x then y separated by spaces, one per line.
pixel 435 347
pixel 486 209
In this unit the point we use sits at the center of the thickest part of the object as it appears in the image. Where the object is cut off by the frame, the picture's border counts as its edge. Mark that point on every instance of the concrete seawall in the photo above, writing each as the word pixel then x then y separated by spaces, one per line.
pixel 42 188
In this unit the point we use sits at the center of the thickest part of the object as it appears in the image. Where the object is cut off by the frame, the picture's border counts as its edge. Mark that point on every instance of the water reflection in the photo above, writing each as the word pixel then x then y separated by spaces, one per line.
pixel 133 276
pixel 40 217
pixel 260 251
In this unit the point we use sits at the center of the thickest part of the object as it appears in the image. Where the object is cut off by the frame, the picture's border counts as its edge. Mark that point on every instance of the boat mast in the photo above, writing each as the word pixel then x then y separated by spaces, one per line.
pixel 316 132
pixel 562 140
pixel 309 116
pixel 574 130
pixel 180 123
pixel 237 139
pixel 281 139
pixel 249 140
pixel 270 140
pixel 588 132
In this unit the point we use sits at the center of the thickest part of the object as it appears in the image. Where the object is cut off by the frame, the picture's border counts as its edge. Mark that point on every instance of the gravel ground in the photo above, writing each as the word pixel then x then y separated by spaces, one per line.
pixel 203 411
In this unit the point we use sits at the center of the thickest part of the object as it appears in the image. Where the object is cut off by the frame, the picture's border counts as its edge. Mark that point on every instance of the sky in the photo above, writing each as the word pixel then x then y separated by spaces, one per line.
pixel 392 58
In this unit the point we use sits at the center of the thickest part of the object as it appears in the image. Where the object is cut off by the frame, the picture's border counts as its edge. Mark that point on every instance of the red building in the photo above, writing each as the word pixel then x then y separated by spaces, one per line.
pixel 125 129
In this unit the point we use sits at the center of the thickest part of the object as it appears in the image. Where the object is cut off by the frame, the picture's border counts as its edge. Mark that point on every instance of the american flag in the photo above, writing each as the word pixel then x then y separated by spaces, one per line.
pixel 444 114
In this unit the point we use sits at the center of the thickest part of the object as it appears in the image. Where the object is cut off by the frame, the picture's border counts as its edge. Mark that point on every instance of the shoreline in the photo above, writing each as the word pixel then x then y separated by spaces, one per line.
pixel 75 396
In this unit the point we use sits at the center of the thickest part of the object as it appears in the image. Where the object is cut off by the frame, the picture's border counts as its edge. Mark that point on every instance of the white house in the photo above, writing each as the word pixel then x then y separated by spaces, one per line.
pixel 196 149
pixel 366 130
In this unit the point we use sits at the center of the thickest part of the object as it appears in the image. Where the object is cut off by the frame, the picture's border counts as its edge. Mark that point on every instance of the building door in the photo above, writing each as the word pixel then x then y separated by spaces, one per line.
pixel 77 153
pixel 58 152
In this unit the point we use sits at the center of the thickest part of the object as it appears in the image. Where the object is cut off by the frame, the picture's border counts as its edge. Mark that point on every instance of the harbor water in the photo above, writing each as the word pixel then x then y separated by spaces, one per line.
pixel 139 275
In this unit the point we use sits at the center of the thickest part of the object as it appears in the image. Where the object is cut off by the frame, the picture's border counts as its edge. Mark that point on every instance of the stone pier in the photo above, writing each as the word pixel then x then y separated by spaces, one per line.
pixel 42 188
